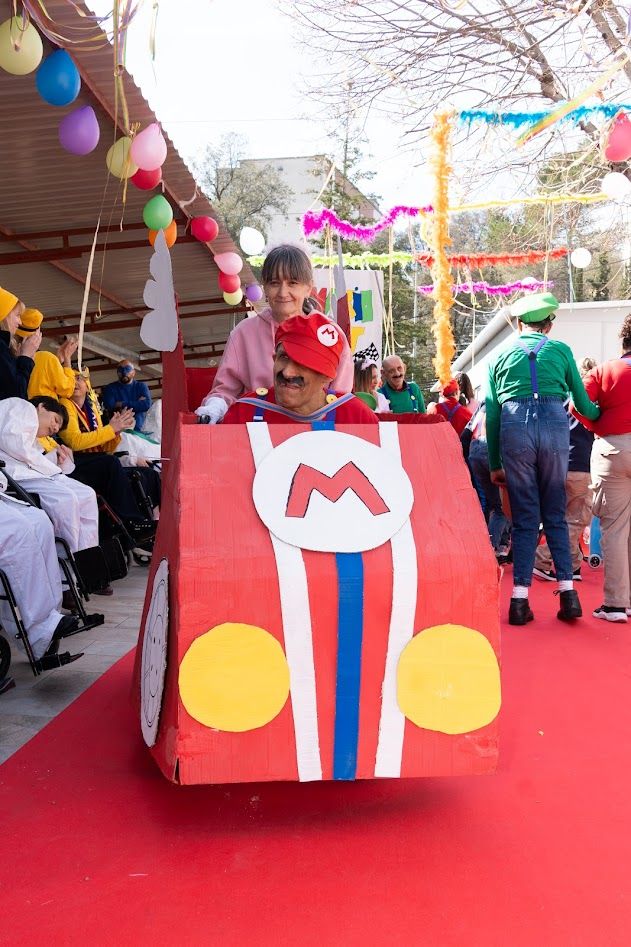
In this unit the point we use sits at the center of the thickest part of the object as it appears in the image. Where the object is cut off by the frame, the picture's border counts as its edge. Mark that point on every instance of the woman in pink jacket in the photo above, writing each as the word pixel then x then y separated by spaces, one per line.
pixel 248 360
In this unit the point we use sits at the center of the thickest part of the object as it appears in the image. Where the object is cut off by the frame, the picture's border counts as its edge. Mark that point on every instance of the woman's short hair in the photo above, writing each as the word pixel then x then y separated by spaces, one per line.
pixel 625 333
pixel 585 365
pixel 288 262
pixel 53 406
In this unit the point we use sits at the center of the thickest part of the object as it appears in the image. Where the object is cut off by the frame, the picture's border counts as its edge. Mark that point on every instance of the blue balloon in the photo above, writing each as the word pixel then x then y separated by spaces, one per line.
pixel 57 79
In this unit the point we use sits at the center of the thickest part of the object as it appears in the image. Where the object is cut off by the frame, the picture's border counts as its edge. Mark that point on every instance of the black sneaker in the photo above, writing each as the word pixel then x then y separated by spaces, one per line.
pixel 612 613
pixel 570 605
pixel 577 575
pixel 549 576
pixel 519 612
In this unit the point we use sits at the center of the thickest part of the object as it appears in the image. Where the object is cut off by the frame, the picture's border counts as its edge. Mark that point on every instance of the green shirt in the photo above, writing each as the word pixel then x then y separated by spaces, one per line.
pixel 509 378
pixel 406 401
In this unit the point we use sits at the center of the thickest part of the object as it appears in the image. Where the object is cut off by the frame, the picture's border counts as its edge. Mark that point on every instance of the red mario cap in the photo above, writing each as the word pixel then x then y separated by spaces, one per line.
pixel 450 388
pixel 313 341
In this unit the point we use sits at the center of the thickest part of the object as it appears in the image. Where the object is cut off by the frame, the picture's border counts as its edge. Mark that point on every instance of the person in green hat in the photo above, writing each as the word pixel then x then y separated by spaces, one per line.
pixel 528 437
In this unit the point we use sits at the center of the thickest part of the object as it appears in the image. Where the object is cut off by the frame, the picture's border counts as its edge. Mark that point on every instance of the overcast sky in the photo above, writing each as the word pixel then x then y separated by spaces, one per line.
pixel 234 65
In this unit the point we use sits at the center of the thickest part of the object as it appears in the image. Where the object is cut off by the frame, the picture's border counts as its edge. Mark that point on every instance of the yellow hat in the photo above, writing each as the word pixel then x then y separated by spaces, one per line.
pixel 30 321
pixel 7 302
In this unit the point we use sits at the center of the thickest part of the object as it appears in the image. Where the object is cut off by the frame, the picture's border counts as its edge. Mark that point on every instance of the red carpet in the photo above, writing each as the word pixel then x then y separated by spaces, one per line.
pixel 98 848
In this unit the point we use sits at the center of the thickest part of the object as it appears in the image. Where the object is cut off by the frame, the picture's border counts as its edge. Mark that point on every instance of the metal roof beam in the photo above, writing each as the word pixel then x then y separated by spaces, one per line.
pixel 50 330
pixel 69 252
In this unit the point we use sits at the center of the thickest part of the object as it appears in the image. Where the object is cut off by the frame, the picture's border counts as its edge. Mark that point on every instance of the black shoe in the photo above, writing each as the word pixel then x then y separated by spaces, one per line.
pixel 577 575
pixel 67 626
pixel 546 574
pixel 570 605
pixel 49 661
pixel 519 612
pixel 141 531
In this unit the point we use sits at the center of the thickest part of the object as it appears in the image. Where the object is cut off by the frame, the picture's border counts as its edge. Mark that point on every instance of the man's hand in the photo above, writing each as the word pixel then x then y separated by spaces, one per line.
pixel 122 419
pixel 141 462
pixel 214 410
pixel 31 344
pixel 498 476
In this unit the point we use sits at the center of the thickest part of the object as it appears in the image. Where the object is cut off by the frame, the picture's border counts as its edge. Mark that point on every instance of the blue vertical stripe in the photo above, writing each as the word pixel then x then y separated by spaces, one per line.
pixel 350 626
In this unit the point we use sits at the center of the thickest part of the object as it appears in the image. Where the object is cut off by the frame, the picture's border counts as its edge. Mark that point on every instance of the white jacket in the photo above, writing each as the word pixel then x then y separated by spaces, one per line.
pixel 19 447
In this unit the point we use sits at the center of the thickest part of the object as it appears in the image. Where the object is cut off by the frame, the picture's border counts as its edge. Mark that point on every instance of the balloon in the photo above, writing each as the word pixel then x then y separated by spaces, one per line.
pixel 252 242
pixel 118 160
pixel 29 52
pixel 149 149
pixel 254 292
pixel 170 234
pixel 580 258
pixel 57 79
pixel 233 299
pixel 146 180
pixel 615 185
pixel 79 131
pixel 618 140
pixel 229 284
pixel 204 228
pixel 157 213
pixel 229 263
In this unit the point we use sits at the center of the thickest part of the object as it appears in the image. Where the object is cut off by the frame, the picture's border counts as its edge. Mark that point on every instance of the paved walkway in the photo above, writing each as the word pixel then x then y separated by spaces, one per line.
pixel 35 701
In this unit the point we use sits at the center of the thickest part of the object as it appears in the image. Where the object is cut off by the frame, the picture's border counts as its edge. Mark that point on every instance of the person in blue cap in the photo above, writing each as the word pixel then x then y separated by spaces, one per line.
pixel 127 393
pixel 528 436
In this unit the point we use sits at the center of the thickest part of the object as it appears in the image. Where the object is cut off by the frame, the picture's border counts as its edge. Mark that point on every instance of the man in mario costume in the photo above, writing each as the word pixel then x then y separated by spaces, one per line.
pixel 306 358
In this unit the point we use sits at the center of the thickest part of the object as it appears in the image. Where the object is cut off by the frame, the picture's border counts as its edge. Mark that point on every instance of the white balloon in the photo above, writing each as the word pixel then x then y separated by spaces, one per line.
pixel 615 185
pixel 580 258
pixel 252 242
pixel 528 280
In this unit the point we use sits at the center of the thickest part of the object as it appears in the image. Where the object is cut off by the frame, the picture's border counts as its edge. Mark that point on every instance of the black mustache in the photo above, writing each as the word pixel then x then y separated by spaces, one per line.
pixel 298 380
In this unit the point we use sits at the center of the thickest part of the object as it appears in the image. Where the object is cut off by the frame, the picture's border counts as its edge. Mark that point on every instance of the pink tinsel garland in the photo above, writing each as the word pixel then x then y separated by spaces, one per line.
pixel 313 221
pixel 483 287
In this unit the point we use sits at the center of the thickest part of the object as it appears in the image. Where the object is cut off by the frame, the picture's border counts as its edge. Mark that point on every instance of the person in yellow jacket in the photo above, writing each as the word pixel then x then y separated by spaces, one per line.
pixel 52 375
pixel 93 444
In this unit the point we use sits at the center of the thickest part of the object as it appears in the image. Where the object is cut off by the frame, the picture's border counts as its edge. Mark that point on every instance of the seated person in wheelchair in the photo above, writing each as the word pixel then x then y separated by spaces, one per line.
pixel 71 506
pixel 94 445
pixel 28 558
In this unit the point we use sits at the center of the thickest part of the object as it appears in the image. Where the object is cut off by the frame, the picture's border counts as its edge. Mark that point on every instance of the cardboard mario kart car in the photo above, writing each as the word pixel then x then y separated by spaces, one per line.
pixel 322 604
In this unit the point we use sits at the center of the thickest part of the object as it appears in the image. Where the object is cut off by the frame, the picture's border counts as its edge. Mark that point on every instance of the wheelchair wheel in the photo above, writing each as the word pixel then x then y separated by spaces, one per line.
pixel 5 657
pixel 595 561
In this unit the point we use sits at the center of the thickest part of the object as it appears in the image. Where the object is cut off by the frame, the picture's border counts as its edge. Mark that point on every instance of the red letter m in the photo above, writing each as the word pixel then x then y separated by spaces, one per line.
pixel 349 477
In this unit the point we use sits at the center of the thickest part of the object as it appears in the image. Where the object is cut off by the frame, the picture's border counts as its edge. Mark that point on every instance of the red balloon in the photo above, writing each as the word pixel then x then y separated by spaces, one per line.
pixel 618 146
pixel 229 284
pixel 204 228
pixel 147 180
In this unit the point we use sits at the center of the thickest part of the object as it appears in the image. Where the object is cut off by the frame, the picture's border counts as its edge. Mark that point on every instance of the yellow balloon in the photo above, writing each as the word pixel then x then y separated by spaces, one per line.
pixel 118 161
pixel 233 299
pixel 28 54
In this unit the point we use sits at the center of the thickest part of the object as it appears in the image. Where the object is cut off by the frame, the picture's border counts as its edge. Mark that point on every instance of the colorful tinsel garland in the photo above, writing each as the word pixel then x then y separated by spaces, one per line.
pixel 314 220
pixel 519 119
pixel 529 286
pixel 473 260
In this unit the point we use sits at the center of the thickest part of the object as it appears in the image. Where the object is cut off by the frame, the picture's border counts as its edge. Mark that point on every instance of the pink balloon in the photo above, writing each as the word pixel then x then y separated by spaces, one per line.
pixel 229 263
pixel 79 131
pixel 618 146
pixel 254 292
pixel 149 149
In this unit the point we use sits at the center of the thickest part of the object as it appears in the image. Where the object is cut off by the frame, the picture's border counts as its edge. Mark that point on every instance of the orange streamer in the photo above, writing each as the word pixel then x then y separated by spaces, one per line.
pixel 439 241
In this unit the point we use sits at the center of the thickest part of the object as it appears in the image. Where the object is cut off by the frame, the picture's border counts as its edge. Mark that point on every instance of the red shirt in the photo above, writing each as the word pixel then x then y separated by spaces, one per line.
pixel 454 412
pixel 352 411
pixel 610 385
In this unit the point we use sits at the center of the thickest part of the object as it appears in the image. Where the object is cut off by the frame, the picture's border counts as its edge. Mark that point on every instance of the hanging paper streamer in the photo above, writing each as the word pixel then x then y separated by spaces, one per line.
pixel 545 199
pixel 566 107
pixel 529 286
pixel 314 220
pixel 439 240
pixel 521 119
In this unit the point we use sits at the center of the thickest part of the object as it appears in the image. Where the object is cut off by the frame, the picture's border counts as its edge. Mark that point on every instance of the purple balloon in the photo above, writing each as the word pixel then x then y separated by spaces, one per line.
pixel 79 131
pixel 254 292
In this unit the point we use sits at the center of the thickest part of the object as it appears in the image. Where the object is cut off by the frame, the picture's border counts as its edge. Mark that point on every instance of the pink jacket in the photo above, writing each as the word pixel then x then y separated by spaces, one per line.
pixel 248 360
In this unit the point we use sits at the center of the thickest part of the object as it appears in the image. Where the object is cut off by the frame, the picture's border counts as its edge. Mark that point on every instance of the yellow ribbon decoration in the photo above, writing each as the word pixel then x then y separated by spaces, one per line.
pixel 439 240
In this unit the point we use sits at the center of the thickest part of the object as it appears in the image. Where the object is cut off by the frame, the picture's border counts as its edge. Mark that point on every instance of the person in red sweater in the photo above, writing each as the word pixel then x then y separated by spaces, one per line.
pixel 451 408
pixel 306 360
pixel 610 385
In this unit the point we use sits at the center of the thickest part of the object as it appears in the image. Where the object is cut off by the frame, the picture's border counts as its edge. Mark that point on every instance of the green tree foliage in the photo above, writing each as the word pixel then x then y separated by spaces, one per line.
pixel 244 194
pixel 602 280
